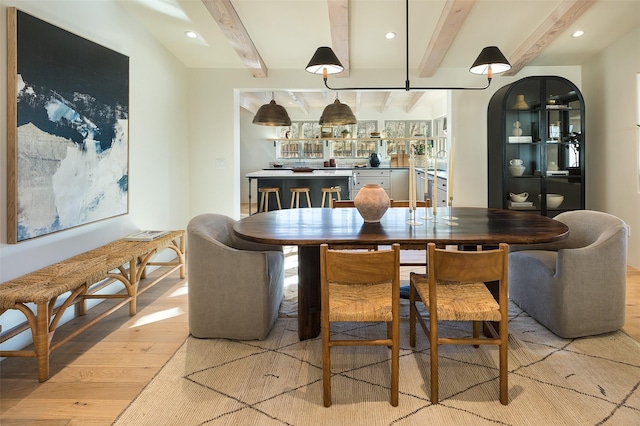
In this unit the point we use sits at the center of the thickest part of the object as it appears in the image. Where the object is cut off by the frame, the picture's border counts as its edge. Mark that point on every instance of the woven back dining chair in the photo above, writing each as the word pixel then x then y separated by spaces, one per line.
pixel 454 290
pixel 360 287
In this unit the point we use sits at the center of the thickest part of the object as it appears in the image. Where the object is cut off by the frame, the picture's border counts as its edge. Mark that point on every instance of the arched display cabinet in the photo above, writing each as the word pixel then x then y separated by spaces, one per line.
pixel 541 121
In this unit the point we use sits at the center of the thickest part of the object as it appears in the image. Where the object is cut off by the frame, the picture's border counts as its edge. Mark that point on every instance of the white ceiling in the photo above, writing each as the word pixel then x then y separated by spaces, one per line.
pixel 287 32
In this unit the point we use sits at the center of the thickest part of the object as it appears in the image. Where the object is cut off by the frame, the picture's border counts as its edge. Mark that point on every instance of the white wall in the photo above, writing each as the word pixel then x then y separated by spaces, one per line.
pixel 158 139
pixel 610 91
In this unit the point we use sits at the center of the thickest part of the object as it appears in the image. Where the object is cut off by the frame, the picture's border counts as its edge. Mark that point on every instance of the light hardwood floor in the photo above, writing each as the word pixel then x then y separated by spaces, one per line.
pixel 96 375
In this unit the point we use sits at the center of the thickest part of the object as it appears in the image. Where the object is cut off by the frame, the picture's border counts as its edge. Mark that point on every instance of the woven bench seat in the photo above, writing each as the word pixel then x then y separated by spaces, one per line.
pixel 120 260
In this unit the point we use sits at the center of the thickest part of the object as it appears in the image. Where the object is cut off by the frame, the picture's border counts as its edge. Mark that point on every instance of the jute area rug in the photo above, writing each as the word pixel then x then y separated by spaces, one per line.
pixel 552 381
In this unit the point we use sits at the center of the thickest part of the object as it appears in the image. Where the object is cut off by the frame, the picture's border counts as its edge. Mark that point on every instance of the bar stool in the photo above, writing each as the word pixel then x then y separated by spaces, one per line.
pixel 330 190
pixel 295 196
pixel 264 200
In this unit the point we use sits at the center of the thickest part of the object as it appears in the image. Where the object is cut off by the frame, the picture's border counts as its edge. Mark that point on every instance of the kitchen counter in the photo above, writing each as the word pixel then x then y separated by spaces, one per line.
pixel 290 174
pixel 315 180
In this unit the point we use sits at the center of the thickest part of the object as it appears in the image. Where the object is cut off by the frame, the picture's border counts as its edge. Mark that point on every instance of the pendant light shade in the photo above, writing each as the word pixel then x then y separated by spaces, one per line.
pixel 337 114
pixel 272 114
pixel 489 61
pixel 324 60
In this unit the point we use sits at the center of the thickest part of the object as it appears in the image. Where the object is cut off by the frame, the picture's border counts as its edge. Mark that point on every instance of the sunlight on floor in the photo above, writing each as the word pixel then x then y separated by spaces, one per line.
pixel 184 289
pixel 158 316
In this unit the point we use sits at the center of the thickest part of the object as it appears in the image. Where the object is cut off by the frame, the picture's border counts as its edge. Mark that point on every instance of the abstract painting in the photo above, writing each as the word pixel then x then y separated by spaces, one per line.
pixel 68 148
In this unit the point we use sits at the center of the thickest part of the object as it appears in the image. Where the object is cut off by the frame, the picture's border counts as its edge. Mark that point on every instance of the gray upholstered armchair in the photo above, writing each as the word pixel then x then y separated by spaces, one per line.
pixel 574 287
pixel 235 286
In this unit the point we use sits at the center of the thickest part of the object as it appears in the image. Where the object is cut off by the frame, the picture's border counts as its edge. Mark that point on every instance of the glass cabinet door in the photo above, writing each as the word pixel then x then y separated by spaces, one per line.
pixel 536 146
pixel 288 149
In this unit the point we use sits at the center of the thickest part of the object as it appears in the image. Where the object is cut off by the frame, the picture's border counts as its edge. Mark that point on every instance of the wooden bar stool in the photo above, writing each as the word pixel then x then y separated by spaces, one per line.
pixel 330 190
pixel 295 196
pixel 264 200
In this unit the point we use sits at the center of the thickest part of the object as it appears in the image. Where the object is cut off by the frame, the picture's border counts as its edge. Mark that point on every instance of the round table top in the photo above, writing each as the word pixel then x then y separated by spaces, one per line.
pixel 315 226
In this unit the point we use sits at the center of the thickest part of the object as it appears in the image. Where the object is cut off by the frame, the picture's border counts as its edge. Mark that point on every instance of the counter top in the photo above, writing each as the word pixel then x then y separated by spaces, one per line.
pixel 442 174
pixel 288 174
pixel 341 168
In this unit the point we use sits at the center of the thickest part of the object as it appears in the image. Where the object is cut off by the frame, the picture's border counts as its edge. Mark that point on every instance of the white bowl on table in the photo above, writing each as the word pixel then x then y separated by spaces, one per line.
pixel 553 200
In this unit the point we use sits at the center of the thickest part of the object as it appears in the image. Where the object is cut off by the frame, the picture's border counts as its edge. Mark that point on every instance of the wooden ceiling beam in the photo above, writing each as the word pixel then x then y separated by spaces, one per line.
pixel 558 21
pixel 358 104
pixel 386 102
pixel 451 19
pixel 247 102
pixel 339 26
pixel 299 100
pixel 227 18
pixel 415 101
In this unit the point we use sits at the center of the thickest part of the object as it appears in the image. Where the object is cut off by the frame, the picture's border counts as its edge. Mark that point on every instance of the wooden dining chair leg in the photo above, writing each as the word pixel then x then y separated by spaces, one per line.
pixel 395 364
pixel 324 197
pixel 504 371
pixel 326 374
pixel 326 357
pixel 308 199
pixel 433 345
pixel 412 315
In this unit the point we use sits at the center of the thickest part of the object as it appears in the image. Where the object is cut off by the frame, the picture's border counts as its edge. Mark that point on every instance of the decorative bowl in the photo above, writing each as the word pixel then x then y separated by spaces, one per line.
pixel 517 170
pixel 553 200
pixel 519 198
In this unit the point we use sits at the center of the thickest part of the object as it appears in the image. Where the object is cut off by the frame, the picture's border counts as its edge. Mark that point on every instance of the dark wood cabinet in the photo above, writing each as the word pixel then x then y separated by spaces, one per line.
pixel 540 121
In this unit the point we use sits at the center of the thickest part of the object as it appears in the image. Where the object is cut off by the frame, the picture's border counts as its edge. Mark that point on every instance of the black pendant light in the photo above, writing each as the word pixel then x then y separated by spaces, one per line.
pixel 490 61
pixel 337 114
pixel 272 114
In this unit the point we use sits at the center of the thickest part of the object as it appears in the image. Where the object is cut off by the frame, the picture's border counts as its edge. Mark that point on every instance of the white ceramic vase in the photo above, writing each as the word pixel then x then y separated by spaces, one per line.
pixel 372 202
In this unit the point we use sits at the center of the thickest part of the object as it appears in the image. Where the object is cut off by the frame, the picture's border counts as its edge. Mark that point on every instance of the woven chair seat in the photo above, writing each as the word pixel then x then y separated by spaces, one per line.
pixel 459 301
pixel 360 303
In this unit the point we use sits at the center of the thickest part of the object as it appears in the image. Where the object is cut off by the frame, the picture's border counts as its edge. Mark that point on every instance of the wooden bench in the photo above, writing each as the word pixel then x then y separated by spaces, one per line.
pixel 82 276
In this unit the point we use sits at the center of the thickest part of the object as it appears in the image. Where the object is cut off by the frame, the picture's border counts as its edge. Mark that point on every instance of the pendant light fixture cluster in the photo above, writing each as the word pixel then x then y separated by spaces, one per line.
pixel 490 61
pixel 272 114
pixel 337 114
pixel 324 61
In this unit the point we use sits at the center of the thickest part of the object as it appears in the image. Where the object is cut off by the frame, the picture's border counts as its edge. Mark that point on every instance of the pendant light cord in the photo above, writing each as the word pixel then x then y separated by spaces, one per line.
pixel 407 83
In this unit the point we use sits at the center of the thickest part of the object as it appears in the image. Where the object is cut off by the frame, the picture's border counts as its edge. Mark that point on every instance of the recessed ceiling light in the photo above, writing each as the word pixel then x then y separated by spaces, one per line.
pixel 578 33
pixel 390 35
pixel 191 34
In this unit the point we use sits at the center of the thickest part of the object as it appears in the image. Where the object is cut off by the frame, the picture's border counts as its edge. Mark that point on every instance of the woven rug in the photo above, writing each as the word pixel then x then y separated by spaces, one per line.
pixel 552 381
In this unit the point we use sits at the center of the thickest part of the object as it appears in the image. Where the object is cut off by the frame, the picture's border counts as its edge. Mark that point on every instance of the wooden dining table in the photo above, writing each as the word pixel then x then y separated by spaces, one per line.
pixel 308 228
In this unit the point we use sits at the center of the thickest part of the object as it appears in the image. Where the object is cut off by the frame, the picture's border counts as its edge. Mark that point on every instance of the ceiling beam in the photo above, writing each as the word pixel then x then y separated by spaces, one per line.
pixel 558 21
pixel 247 103
pixel 386 102
pixel 358 104
pixel 415 101
pixel 225 15
pixel 451 19
pixel 297 98
pixel 339 26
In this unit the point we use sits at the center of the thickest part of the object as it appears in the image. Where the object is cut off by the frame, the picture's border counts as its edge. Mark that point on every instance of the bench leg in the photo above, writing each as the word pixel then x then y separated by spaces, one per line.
pixel 41 341
pixel 133 279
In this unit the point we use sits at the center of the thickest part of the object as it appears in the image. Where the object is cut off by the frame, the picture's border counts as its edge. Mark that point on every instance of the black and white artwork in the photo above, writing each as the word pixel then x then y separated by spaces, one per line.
pixel 72 130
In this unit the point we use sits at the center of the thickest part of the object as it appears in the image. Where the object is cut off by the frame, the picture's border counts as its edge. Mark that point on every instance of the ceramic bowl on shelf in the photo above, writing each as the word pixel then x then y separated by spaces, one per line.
pixel 519 198
pixel 553 200
pixel 516 170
